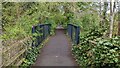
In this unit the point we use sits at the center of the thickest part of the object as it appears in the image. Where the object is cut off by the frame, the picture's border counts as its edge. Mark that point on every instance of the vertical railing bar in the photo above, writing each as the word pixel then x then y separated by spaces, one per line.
pixel 40 33
pixel 78 33
pixel 33 31
pixel 35 37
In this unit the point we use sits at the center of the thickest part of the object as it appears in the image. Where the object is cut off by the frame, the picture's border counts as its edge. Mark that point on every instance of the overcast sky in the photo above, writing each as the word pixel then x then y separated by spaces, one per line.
pixel 58 0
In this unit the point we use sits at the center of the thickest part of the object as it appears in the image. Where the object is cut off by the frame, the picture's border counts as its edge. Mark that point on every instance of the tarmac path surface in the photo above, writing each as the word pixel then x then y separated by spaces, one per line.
pixel 56 52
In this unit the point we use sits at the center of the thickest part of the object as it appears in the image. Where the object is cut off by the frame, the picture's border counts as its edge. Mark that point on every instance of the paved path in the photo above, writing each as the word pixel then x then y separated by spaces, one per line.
pixel 57 52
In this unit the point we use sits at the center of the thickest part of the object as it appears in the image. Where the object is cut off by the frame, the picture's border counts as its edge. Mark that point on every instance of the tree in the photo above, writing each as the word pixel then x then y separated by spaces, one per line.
pixel 100 4
pixel 111 19
pixel 105 13
pixel 119 20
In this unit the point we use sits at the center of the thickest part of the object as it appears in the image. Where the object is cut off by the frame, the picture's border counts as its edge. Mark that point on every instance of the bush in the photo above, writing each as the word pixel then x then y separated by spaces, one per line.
pixel 31 56
pixel 105 53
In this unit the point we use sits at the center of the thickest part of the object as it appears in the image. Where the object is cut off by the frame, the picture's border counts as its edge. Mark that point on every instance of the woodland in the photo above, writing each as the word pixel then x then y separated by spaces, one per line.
pixel 99 24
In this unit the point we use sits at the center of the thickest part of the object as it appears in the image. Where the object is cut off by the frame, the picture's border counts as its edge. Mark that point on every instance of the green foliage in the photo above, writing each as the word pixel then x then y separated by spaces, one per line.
pixel 31 56
pixel 90 20
pixel 18 21
pixel 103 53
pixel 20 30
pixel 115 40
pixel 91 35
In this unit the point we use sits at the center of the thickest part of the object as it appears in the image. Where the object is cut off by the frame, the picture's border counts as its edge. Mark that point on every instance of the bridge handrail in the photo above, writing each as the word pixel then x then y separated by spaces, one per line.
pixel 14 53
pixel 43 31
pixel 74 33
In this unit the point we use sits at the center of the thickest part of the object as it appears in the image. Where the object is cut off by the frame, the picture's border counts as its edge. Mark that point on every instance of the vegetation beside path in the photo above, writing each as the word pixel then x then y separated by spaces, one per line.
pixel 99 29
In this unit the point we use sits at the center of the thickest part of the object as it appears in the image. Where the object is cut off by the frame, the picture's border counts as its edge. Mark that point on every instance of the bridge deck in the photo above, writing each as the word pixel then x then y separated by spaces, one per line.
pixel 57 52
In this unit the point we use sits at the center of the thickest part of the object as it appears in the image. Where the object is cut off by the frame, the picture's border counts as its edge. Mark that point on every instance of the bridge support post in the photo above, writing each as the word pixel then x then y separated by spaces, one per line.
pixel 77 33
pixel 49 29
pixel 70 30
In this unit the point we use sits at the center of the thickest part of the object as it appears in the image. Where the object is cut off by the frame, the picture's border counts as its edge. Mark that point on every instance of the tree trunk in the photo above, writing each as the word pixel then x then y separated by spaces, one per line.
pixel 104 13
pixel 119 19
pixel 111 19
pixel 119 28
pixel 101 13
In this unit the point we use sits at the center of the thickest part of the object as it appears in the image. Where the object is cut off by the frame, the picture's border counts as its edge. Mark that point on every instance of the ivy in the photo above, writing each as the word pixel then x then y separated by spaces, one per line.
pixel 31 56
pixel 105 53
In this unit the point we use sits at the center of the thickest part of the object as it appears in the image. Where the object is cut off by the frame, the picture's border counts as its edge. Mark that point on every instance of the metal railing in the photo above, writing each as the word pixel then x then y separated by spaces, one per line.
pixel 74 32
pixel 40 32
